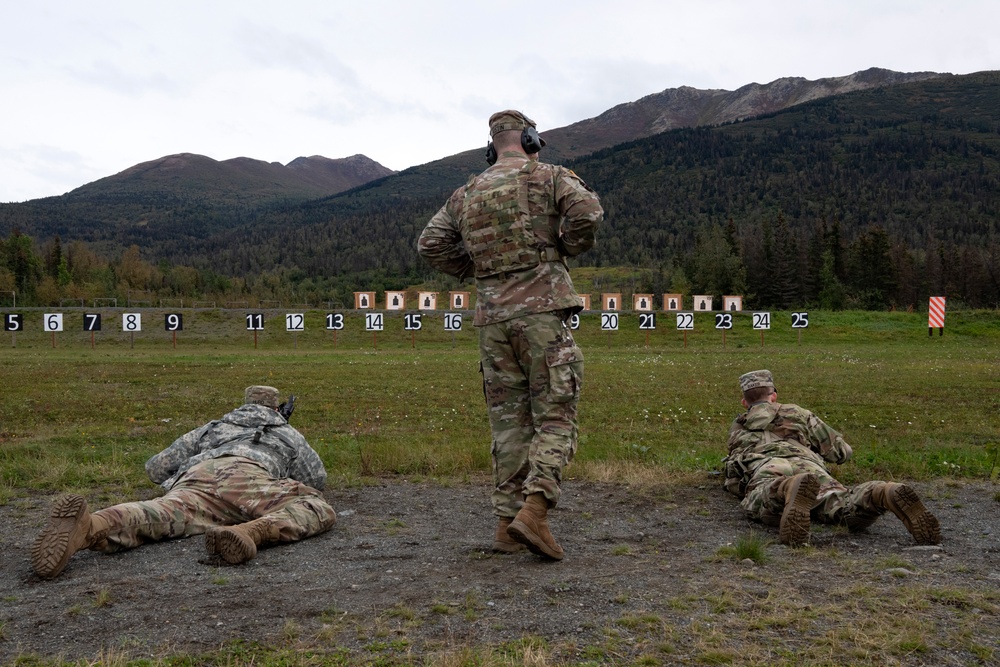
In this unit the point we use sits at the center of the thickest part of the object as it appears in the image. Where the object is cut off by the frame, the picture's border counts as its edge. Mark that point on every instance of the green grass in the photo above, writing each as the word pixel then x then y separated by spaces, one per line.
pixel 912 406
pixel 751 546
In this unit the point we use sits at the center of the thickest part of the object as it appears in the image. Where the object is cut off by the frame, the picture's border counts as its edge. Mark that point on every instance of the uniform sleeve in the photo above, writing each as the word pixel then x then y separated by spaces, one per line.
pixel 308 466
pixel 827 442
pixel 581 210
pixel 165 465
pixel 441 241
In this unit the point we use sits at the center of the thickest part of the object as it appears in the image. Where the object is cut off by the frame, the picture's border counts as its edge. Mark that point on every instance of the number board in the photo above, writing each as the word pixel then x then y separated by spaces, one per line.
pixel 723 320
pixel 685 321
pixel 800 320
pixel 295 322
pixel 453 321
pixel 131 321
pixel 647 321
pixel 411 322
pixel 761 321
pixel 173 322
pixel 335 321
pixel 609 321
pixel 373 321
pixel 13 322
pixel 91 321
pixel 52 322
pixel 255 321
pixel 574 321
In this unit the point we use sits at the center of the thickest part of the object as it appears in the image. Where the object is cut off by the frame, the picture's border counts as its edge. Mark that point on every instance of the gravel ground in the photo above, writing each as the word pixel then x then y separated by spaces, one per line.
pixel 407 570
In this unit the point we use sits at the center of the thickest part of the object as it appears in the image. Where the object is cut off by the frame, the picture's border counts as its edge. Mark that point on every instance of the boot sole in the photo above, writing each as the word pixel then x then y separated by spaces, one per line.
pixel 795 520
pixel 507 547
pixel 229 545
pixel 924 526
pixel 520 532
pixel 61 538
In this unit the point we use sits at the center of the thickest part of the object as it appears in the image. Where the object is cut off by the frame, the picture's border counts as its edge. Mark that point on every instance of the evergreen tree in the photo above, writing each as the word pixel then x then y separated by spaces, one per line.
pixel 832 295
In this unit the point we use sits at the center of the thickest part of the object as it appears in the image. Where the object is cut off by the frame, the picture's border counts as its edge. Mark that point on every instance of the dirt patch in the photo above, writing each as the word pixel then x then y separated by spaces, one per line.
pixel 407 571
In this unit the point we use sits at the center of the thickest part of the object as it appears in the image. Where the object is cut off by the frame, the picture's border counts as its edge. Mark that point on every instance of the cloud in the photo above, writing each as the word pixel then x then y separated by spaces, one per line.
pixel 107 75
pixel 269 48
pixel 44 168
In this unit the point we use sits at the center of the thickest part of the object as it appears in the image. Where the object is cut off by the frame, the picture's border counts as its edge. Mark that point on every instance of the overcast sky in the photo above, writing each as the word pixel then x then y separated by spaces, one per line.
pixel 92 88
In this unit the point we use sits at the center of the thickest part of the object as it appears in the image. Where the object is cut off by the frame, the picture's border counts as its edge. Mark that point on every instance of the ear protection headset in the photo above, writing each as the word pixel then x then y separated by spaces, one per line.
pixel 530 143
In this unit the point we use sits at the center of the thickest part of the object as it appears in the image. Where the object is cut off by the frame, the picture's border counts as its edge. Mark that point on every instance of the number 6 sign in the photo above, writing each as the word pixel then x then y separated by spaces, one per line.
pixel 52 322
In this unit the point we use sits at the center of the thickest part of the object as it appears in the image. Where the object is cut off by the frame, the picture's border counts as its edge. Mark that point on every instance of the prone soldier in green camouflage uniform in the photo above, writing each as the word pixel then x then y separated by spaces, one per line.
pixel 244 480
pixel 777 465
pixel 511 227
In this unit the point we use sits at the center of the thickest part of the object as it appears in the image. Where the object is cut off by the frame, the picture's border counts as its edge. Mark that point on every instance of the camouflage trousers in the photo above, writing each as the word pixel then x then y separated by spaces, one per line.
pixel 219 492
pixel 835 503
pixel 532 375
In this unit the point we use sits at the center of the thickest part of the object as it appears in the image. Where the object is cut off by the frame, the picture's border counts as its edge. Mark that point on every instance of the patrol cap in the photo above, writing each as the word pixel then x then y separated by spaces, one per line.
pixel 262 395
pixel 754 379
pixel 503 121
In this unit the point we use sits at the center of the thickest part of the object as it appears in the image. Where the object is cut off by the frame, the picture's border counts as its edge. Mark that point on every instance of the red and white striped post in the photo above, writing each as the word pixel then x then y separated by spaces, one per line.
pixel 935 315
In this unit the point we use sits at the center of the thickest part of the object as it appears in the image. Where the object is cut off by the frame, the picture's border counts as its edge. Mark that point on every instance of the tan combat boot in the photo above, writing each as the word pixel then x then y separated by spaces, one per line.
pixel 799 492
pixel 238 544
pixel 502 542
pixel 531 528
pixel 904 502
pixel 71 528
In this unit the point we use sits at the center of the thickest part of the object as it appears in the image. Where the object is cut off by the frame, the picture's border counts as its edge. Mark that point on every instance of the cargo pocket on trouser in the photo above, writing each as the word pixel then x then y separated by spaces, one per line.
pixel 565 363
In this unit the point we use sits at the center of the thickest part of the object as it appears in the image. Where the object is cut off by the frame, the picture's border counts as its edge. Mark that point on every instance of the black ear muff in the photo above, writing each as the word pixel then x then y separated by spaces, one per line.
pixel 491 154
pixel 530 141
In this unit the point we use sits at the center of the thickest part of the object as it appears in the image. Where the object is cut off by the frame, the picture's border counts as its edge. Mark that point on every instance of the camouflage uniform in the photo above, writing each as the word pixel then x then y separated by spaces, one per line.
pixel 532 369
pixel 773 441
pixel 248 465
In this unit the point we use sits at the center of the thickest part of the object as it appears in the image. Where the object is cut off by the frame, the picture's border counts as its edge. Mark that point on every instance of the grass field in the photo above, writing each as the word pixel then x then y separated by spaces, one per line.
pixel 83 413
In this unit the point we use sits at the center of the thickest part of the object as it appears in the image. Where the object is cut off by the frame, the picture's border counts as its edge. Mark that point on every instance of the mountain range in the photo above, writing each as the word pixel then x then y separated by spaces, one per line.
pixel 131 206
pixel 900 169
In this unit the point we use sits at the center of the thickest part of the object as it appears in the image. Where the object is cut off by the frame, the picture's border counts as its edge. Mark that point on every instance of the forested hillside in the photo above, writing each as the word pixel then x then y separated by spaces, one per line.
pixel 896 190
pixel 869 199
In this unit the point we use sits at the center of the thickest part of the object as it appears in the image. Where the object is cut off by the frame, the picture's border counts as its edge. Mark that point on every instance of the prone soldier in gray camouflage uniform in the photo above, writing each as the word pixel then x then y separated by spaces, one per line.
pixel 244 480
pixel 777 465
pixel 511 228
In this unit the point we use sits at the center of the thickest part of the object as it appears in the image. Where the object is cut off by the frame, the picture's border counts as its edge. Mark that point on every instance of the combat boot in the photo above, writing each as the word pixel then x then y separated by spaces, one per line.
pixel 502 542
pixel 531 528
pixel 71 528
pixel 238 544
pixel 799 492
pixel 904 502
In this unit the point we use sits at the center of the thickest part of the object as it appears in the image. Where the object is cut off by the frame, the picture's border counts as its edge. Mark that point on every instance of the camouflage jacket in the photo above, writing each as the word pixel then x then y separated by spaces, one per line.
pixel 250 431
pixel 778 430
pixel 564 216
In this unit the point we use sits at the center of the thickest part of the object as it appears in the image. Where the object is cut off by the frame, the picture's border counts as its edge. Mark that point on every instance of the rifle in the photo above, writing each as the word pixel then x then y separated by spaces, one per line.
pixel 287 408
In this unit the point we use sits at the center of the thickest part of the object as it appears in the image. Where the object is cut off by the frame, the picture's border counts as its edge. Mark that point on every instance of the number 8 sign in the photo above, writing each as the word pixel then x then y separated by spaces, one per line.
pixel 131 321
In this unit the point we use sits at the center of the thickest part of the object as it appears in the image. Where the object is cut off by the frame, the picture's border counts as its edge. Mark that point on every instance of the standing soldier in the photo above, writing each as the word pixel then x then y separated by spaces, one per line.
pixel 511 227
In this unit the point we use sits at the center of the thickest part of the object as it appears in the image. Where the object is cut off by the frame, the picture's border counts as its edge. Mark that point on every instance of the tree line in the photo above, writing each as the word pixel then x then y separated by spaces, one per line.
pixel 875 199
